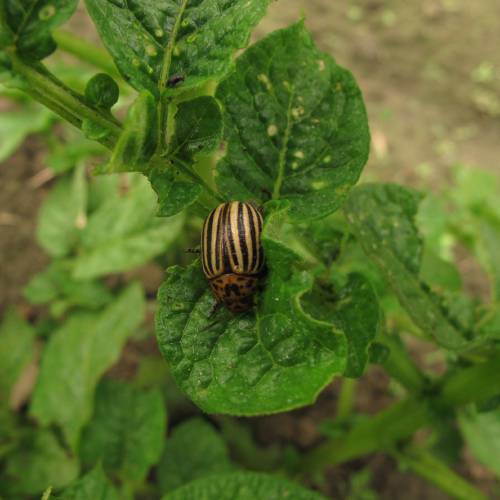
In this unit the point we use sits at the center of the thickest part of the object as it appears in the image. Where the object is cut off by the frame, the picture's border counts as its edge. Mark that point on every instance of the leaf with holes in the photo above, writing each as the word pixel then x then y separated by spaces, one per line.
pixel 295 126
pixel 127 430
pixel 242 486
pixel 177 41
pixel 271 359
pixel 182 462
pixel 383 219
pixel 75 358
pixel 27 24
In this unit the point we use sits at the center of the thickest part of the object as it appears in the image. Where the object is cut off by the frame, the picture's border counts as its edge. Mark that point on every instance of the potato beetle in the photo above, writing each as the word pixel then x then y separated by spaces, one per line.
pixel 231 254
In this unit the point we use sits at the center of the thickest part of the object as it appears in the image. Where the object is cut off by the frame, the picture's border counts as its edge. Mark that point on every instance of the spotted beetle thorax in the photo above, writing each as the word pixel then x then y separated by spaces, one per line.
pixel 232 256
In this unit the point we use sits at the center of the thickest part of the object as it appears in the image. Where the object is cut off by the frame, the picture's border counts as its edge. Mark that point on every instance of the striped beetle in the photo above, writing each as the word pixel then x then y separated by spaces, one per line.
pixel 231 252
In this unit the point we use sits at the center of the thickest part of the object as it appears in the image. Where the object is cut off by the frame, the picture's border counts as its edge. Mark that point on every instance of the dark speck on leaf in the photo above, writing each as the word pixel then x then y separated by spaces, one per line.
pixel 175 80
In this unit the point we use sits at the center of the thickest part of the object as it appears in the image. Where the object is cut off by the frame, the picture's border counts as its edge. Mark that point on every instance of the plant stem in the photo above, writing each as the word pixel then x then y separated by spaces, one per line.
pixel 382 431
pixel 429 467
pixel 379 432
pixel 347 395
pixel 165 73
pixel 401 367
pixel 85 51
pixel 62 100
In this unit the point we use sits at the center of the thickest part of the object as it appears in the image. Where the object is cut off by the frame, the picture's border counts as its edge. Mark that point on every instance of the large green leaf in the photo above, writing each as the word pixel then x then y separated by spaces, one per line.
pixel 271 359
pixel 37 462
pixel 127 430
pixel 63 214
pixel 75 358
pixel 482 434
pixel 242 486
pixel 182 462
pixel 295 126
pixel 15 126
pixel 93 486
pixel 152 41
pixel 383 218
pixel 27 24
pixel 16 351
pixel 124 233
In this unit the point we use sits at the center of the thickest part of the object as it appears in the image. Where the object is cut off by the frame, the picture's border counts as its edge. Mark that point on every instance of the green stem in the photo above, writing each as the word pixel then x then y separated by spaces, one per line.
pixel 346 397
pixel 382 431
pixel 430 468
pixel 401 367
pixel 165 73
pixel 63 101
pixel 85 51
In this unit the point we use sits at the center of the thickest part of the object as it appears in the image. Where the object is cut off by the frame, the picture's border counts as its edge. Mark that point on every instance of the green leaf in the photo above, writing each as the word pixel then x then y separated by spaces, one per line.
pixel 27 24
pixel 64 156
pixel 39 461
pixel 438 273
pixel 75 358
pixel 56 283
pixel 127 430
pixel 194 40
pixel 173 195
pixel 102 91
pixel 198 131
pixel 137 143
pixel 488 326
pixel 383 219
pixel 354 310
pixel 15 126
pixel 198 128
pixel 182 462
pixel 63 215
pixel 481 432
pixel 242 486
pixel 358 315
pixel 93 486
pixel 271 359
pixel 16 351
pixel 124 233
pixel 295 126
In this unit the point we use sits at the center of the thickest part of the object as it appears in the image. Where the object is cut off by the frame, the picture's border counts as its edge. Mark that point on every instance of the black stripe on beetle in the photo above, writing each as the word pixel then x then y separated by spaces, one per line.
pixel 232 256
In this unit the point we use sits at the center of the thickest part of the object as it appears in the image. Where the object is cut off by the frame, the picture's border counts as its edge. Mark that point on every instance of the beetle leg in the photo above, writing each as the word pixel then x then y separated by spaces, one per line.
pixel 193 250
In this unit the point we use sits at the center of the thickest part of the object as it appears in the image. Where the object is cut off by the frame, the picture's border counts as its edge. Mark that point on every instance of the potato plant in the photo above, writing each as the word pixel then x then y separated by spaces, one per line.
pixel 351 271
